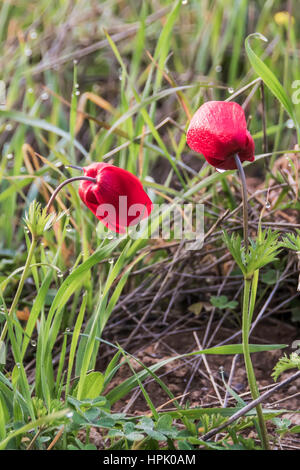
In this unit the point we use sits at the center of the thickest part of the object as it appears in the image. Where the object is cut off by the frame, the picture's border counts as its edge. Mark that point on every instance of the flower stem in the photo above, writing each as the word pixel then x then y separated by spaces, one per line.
pixel 70 180
pixel 248 362
pixel 250 289
pixel 244 198
pixel 20 286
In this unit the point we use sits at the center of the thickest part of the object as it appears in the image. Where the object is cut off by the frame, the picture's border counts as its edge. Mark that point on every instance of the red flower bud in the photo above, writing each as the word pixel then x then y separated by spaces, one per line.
pixel 218 130
pixel 117 198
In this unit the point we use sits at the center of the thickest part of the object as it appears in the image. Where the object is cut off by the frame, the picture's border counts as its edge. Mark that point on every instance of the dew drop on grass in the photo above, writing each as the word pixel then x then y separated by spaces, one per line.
pixel 69 415
pixel 33 343
pixel 230 90
pixel 77 93
pixel 111 260
pixel 67 330
pixel 30 90
pixel 33 34
pixel 44 96
pixel 75 61
pixel 268 205
pixel 77 85
pixel 10 156
pixel 8 127
pixel 60 274
pixel 18 365
pixel 69 228
pixel 290 124
pixel 28 52
pixel 218 68
pixel 184 2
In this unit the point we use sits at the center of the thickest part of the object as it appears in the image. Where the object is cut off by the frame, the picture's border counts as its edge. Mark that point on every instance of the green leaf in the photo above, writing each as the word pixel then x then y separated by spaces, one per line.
pixel 184 445
pixel 33 425
pixel 222 302
pixel 286 363
pixel 295 429
pixel 92 386
pixel 270 277
pixel 269 78
pixel 125 387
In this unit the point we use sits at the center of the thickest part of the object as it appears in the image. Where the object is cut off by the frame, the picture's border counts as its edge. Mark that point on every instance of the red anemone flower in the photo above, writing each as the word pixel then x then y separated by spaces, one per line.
pixel 117 198
pixel 218 130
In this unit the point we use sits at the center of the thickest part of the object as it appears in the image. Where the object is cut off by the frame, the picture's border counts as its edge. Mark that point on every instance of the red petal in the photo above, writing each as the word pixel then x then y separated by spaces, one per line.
pixel 218 130
pixel 117 199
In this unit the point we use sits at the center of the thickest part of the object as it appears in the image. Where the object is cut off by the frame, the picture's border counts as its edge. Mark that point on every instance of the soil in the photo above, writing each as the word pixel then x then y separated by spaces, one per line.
pixel 189 379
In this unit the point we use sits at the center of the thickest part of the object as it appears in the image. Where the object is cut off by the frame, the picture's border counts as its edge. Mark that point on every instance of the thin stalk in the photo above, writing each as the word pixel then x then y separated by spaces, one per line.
pixel 244 198
pixel 250 289
pixel 75 167
pixel 253 296
pixel 264 119
pixel 248 363
pixel 20 286
pixel 70 180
